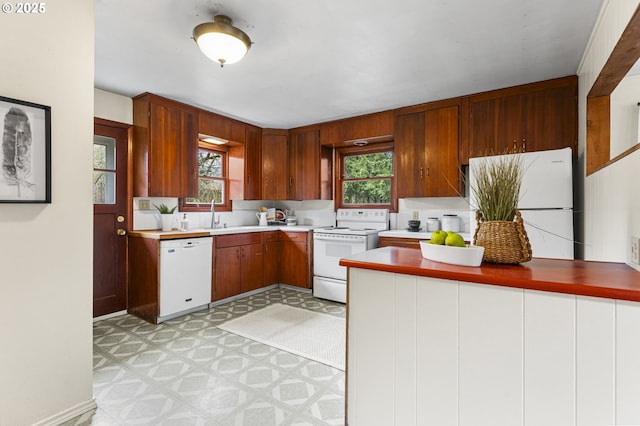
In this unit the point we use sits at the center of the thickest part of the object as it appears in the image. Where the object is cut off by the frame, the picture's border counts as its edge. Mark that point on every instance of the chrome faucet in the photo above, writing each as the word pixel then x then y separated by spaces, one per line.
pixel 214 222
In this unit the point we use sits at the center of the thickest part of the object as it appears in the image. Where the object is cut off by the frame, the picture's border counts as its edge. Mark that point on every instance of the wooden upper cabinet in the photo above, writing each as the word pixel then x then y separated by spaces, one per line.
pixel 310 165
pixel 409 155
pixel 426 152
pixel 165 144
pixel 212 124
pixel 274 164
pixel 532 117
pixel 253 164
pixel 376 127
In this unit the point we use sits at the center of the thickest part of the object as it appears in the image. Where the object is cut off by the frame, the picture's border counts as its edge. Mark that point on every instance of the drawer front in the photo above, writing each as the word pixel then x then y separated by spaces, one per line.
pixel 270 236
pixel 238 239
pixel 399 242
pixel 298 237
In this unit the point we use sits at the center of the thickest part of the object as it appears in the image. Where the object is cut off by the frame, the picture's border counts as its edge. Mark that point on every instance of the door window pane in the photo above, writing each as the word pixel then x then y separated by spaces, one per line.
pixel 104 187
pixel 104 167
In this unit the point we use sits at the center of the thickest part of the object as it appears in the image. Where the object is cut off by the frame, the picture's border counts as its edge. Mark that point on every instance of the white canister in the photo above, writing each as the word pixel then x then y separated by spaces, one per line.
pixel 433 224
pixel 450 223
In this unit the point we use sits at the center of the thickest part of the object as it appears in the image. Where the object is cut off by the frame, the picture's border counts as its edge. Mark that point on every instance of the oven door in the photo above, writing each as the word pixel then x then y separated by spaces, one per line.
pixel 328 249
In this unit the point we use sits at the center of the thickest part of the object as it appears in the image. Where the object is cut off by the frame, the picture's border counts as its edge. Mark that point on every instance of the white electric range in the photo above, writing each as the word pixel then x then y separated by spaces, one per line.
pixel 356 231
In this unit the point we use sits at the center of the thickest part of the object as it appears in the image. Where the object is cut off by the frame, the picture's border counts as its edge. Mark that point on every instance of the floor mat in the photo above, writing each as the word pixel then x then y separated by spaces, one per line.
pixel 312 335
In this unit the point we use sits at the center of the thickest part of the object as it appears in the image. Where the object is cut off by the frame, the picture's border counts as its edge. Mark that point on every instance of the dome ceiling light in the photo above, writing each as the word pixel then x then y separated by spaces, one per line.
pixel 220 41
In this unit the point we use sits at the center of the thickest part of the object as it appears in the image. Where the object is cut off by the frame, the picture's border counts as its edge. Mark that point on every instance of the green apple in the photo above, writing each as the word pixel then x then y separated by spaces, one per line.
pixel 438 237
pixel 454 239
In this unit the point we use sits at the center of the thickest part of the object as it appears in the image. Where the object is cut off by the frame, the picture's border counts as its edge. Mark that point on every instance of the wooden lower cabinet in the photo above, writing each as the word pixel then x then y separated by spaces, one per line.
pixel 226 281
pixel 143 281
pixel 295 259
pixel 238 264
pixel 271 257
pixel 249 261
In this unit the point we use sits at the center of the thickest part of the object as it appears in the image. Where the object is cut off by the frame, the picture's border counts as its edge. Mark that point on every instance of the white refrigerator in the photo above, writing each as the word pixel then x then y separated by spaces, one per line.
pixel 546 201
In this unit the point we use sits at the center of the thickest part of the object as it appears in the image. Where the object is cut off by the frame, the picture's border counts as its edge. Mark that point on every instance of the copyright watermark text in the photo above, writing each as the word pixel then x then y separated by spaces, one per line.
pixel 24 8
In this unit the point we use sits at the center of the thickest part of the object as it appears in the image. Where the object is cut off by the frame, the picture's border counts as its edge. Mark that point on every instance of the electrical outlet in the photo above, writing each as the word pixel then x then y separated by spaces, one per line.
pixel 635 250
pixel 144 204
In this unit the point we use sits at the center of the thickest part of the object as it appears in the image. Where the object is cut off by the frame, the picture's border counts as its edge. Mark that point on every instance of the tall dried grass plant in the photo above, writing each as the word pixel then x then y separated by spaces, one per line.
pixel 496 187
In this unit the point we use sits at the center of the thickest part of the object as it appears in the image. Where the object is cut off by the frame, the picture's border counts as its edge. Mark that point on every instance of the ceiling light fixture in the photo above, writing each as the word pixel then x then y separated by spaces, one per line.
pixel 220 41
pixel 360 142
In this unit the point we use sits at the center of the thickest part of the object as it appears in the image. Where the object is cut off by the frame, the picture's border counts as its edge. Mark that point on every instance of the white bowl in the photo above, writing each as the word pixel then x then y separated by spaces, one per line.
pixel 464 256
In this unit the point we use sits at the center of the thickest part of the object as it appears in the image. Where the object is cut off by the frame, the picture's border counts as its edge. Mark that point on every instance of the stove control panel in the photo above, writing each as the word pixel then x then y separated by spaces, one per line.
pixel 364 215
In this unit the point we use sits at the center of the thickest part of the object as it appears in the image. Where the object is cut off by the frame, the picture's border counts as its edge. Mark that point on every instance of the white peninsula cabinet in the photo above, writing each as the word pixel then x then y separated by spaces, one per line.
pixel 432 351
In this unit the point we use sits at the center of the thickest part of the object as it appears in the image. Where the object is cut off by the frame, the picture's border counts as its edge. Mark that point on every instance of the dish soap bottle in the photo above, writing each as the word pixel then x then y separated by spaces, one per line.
pixel 184 223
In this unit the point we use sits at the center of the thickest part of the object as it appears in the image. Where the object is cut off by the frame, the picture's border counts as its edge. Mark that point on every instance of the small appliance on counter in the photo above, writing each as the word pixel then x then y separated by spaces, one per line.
pixel 276 217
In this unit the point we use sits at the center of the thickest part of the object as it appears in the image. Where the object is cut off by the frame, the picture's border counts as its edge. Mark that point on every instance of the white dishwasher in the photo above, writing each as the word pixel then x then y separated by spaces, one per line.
pixel 185 276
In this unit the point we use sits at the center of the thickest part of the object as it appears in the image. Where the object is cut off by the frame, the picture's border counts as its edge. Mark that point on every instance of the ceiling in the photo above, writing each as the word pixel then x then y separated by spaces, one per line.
pixel 319 60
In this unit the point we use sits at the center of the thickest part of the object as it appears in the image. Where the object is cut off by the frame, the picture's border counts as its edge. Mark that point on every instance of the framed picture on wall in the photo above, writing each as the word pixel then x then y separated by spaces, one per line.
pixel 25 152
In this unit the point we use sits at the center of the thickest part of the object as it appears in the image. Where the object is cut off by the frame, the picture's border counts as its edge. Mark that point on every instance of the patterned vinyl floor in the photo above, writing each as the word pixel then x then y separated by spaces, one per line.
pixel 189 372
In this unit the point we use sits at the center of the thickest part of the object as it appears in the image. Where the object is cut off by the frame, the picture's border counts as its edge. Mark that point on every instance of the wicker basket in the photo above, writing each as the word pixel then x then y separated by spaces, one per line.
pixel 503 241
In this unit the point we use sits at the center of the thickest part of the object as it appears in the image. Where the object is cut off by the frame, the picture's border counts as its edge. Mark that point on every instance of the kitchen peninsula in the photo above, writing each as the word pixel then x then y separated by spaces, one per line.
pixel 544 342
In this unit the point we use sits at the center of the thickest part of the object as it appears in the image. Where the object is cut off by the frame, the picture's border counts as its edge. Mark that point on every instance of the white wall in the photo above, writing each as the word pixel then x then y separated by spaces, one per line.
pixel 112 106
pixel 624 115
pixel 611 197
pixel 46 249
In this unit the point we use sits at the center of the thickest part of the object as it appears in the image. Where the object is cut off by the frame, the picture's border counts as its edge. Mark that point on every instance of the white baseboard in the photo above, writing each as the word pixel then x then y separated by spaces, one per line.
pixel 69 413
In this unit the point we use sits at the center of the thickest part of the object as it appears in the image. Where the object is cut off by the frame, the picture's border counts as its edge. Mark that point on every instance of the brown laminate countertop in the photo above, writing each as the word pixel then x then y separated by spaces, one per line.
pixel 175 234
pixel 579 277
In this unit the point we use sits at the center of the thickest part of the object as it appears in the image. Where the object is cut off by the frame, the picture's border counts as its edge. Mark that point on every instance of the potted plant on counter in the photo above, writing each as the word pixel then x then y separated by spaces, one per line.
pixel 166 215
pixel 500 230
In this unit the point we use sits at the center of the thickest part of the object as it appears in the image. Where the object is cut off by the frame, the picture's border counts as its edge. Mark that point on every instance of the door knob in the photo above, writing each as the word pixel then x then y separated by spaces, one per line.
pixel 121 231
pixel 120 219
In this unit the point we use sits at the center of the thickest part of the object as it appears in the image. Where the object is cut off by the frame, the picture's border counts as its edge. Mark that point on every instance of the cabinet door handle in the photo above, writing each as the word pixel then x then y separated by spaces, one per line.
pixel 421 172
pixel 515 146
pixel 291 181
pixel 238 253
pixel 428 171
pixel 524 145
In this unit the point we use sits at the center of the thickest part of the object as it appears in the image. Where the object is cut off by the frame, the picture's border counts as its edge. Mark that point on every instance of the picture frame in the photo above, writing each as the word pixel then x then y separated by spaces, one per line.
pixel 25 152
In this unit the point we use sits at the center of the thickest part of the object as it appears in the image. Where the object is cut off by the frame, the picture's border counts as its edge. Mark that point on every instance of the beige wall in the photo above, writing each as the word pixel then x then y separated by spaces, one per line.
pixel 611 195
pixel 46 249
pixel 112 106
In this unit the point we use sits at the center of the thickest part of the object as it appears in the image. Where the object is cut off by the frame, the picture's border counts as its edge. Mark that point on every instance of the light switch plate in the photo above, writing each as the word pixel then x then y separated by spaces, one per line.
pixel 635 250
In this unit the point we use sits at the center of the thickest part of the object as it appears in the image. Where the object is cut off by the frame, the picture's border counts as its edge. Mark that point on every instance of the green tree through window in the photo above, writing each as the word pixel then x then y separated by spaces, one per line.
pixel 210 177
pixel 367 178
